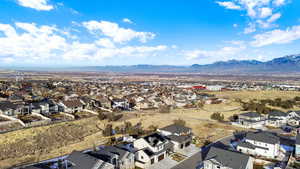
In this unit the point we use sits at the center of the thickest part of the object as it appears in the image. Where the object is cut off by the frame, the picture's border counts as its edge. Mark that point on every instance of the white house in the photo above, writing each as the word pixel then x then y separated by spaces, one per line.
pixel 122 104
pixel 150 150
pixel 71 106
pixel 277 119
pixel 263 144
pixel 294 118
pixel 251 119
pixel 218 158
pixel 180 136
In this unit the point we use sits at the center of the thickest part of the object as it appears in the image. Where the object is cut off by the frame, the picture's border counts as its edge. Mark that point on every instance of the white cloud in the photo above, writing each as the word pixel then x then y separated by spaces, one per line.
pixel 29 42
pixel 274 17
pixel 174 46
pixel 235 25
pixel 259 12
pixel 250 29
pixel 105 42
pixel 229 5
pixel 80 51
pixel 265 12
pixel 8 60
pixel 40 5
pixel 220 54
pixel 279 2
pixel 277 36
pixel 118 34
pixel 126 20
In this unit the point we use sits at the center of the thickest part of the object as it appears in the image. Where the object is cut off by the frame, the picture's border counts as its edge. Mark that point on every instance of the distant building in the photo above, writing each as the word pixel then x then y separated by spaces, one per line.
pixel 71 106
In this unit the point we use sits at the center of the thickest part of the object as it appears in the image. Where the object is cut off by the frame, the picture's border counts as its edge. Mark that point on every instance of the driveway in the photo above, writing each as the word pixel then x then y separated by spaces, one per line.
pixel 166 163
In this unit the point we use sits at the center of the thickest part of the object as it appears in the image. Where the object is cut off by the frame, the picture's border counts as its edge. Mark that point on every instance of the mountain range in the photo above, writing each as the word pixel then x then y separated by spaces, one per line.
pixel 286 64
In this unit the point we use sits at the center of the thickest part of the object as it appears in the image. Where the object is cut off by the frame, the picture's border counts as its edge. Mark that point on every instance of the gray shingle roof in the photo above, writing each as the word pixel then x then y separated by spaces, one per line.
pixel 83 161
pixel 115 150
pixel 179 139
pixel 234 160
pixel 5 105
pixel 277 114
pixel 251 114
pixel 265 137
pixel 174 128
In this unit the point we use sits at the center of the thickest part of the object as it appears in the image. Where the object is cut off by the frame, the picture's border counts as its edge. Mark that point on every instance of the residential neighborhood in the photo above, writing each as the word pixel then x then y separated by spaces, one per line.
pixel 267 137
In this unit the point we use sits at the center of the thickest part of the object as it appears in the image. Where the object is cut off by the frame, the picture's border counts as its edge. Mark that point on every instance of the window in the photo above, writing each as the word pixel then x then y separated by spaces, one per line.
pixel 152 161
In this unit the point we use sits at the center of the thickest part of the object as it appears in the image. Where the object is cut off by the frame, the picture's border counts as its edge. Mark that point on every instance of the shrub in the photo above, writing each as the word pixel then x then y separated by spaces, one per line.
pixel 179 122
pixel 217 116
pixel 108 131
pixel 297 98
pixel 101 116
pixel 164 109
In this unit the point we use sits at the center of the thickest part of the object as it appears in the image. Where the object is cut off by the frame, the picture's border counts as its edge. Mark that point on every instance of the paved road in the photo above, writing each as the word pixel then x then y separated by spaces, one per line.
pixel 190 163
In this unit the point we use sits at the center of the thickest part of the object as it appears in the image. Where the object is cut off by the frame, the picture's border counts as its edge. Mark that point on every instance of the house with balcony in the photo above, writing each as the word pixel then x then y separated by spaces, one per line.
pixel 118 156
pixel 277 119
pixel 151 149
pixel 261 144
pixel 180 136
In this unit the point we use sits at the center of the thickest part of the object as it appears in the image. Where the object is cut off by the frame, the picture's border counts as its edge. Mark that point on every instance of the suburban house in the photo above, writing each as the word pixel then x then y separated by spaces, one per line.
pixel 262 144
pixel 104 102
pixel 217 158
pixel 251 119
pixel 79 160
pixel 151 149
pixel 11 109
pixel 122 104
pixel 90 103
pixel 297 146
pixel 44 107
pixel 294 118
pixel 277 118
pixel 180 136
pixel 292 114
pixel 119 157
pixel 71 106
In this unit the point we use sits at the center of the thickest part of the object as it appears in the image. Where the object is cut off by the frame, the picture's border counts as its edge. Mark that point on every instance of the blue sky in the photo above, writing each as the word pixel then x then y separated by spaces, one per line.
pixel 128 32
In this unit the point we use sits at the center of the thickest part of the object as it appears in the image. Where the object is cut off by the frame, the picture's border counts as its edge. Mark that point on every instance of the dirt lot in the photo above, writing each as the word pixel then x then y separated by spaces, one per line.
pixel 40 143
pixel 246 95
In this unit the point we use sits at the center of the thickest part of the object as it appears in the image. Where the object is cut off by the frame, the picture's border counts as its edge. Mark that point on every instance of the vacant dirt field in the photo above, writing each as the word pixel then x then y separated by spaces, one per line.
pixel 40 143
pixel 259 95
